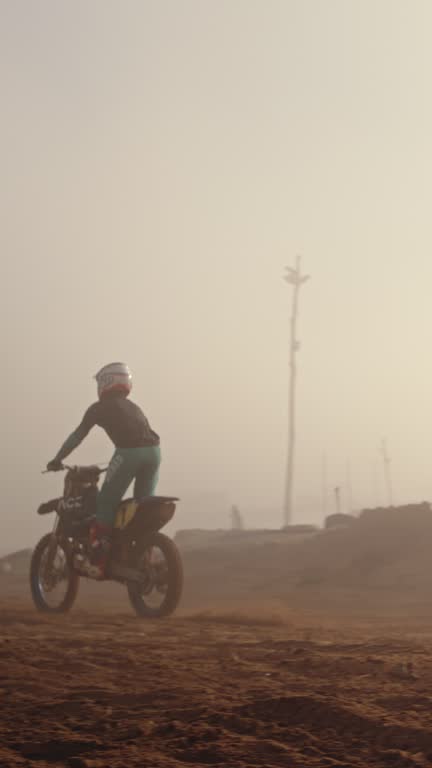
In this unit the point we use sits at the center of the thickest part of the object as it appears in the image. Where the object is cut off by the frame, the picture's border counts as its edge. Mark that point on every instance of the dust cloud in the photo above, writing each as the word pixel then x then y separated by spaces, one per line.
pixel 161 164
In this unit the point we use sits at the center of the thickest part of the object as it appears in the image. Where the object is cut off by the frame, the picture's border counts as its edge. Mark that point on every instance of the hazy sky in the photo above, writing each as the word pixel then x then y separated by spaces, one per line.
pixel 161 161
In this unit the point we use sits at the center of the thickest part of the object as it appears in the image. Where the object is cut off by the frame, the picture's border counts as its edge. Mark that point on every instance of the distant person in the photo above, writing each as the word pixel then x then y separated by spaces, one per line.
pixel 136 457
pixel 236 519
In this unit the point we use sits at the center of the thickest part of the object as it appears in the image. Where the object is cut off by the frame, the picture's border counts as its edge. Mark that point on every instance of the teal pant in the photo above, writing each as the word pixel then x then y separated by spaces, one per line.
pixel 127 464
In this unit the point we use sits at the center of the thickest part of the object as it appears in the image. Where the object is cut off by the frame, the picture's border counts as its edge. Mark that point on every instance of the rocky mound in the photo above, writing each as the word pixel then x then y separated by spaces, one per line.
pixel 381 549
pixel 16 565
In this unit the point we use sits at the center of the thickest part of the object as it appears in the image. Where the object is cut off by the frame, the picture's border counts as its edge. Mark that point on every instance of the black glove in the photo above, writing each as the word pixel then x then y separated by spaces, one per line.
pixel 54 466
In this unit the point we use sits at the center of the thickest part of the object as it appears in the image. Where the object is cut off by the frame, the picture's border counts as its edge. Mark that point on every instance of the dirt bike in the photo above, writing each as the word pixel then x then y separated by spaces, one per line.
pixel 146 561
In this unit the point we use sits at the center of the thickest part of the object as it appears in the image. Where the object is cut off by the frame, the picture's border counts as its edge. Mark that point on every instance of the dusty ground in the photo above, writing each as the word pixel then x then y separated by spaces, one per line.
pixel 315 688
pixel 318 653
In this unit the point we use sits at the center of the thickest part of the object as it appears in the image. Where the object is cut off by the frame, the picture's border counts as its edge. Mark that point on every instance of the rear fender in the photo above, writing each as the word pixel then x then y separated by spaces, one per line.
pixel 139 519
pixel 151 517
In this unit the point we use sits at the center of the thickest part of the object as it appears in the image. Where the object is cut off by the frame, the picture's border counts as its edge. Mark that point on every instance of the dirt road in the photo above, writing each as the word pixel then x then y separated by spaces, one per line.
pixel 107 689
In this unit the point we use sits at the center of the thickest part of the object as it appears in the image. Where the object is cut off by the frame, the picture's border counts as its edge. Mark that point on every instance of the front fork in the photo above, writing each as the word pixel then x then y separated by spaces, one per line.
pixel 52 549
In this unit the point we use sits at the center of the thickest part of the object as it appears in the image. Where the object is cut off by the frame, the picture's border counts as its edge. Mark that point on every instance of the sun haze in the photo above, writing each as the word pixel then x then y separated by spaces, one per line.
pixel 161 163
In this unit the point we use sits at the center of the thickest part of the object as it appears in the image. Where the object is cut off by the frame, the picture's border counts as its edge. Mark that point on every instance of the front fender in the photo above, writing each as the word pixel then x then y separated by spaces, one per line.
pixel 49 506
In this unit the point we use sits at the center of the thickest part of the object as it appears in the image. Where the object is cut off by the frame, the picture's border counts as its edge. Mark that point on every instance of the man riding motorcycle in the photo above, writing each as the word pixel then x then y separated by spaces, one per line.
pixel 136 457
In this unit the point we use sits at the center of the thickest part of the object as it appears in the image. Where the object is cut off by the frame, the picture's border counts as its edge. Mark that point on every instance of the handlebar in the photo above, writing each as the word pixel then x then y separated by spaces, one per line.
pixel 60 468
pixel 66 467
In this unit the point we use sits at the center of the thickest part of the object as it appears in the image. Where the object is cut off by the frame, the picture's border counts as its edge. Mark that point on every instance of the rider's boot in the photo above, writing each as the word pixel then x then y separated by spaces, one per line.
pixel 100 548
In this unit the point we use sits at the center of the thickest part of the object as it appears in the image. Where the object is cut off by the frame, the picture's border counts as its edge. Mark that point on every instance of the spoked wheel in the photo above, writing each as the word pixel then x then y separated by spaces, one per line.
pixel 54 584
pixel 159 560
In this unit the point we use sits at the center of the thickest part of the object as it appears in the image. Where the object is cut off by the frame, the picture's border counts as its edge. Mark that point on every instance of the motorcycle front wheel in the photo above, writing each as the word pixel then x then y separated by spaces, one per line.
pixel 54 584
pixel 159 560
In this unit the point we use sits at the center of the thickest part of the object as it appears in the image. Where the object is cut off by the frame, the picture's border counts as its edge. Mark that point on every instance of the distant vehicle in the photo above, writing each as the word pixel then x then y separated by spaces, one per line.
pixel 338 520
pixel 142 558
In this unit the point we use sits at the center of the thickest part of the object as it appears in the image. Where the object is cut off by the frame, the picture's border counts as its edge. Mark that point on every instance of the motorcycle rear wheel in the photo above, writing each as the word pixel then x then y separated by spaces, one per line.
pixel 167 580
pixel 44 579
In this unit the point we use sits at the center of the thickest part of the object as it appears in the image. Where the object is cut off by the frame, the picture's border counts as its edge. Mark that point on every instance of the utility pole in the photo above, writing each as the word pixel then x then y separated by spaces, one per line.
pixel 337 499
pixel 375 486
pixel 324 487
pixel 387 472
pixel 294 277
pixel 349 490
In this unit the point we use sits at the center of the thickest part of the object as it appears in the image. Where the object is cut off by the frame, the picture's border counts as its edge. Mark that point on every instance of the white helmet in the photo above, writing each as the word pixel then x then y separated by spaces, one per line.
pixel 114 377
